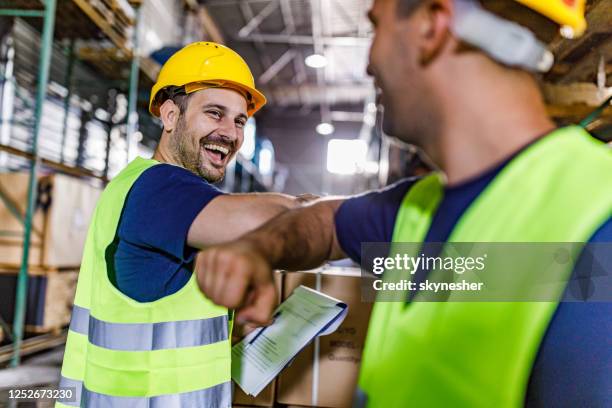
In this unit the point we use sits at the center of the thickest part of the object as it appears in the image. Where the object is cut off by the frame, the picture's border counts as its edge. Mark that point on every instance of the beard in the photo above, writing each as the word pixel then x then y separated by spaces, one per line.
pixel 187 147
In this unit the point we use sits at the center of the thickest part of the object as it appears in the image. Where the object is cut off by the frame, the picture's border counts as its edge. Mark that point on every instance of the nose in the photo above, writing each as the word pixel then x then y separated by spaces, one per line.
pixel 228 130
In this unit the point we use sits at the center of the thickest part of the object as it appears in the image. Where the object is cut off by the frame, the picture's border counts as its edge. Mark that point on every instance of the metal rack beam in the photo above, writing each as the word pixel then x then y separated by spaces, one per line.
pixel 132 118
pixel 41 92
pixel 48 16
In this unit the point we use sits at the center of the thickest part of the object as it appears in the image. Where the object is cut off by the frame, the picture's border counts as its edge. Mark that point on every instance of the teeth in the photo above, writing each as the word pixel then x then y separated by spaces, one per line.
pixel 221 149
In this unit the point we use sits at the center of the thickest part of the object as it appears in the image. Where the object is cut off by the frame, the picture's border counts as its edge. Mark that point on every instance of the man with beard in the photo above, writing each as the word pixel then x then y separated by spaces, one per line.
pixel 458 78
pixel 142 333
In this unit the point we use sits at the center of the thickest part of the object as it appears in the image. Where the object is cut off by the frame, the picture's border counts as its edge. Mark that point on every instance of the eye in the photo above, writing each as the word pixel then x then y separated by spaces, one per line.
pixel 240 123
pixel 214 113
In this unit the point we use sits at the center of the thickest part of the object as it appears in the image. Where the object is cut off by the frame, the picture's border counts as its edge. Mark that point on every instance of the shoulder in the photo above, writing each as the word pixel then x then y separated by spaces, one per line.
pixel 167 172
pixel 164 178
pixel 369 217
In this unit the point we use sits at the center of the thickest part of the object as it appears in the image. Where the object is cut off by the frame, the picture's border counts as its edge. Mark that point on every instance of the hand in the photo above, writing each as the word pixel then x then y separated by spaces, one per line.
pixel 306 198
pixel 237 276
pixel 240 331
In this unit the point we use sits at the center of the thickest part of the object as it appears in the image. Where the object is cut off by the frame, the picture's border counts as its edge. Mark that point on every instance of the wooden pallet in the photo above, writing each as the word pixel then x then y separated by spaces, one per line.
pixel 74 20
pixel 119 12
pixel 34 345
pixel 104 19
pixel 34 270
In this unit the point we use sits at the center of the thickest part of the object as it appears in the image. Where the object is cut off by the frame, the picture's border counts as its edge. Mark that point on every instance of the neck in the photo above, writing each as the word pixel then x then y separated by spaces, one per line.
pixel 488 116
pixel 163 153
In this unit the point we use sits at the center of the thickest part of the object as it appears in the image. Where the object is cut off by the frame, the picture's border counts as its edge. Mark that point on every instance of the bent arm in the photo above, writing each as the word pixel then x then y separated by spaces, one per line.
pixel 239 274
pixel 229 216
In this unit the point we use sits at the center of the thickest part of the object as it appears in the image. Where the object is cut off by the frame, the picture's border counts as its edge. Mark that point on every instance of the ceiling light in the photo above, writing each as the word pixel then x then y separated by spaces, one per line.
pixel 325 129
pixel 316 61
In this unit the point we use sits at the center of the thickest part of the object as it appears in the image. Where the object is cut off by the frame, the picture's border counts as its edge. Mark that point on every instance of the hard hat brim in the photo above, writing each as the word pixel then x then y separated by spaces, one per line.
pixel 255 99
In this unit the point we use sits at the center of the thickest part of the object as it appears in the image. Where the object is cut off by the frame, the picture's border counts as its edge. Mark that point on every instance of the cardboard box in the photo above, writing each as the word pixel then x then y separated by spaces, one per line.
pixel 264 399
pixel 339 354
pixel 49 300
pixel 64 208
pixel 267 396
pixel 14 187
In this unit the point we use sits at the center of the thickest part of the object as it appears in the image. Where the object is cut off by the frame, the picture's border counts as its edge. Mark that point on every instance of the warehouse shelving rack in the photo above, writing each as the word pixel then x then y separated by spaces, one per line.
pixel 32 9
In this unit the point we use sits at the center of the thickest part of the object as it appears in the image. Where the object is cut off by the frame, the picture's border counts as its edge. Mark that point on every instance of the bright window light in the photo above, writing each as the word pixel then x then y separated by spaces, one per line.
pixel 248 146
pixel 316 61
pixel 371 167
pixel 266 158
pixel 325 129
pixel 346 156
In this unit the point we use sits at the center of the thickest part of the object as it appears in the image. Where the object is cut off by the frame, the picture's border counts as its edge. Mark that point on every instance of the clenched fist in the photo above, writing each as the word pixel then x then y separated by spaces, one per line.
pixel 236 276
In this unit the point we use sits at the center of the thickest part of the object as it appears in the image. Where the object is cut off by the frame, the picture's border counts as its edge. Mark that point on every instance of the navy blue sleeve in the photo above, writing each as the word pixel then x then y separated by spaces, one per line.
pixel 369 217
pixel 160 208
pixel 574 362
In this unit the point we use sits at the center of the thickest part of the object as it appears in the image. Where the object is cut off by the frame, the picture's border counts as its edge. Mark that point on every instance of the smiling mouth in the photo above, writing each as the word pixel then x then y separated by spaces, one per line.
pixel 216 153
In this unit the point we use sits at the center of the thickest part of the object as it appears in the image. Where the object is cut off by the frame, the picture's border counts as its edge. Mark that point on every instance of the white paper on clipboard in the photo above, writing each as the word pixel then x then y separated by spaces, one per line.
pixel 261 355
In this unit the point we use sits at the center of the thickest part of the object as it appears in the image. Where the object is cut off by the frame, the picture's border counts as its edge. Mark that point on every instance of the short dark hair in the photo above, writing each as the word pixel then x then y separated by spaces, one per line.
pixel 407 7
pixel 176 93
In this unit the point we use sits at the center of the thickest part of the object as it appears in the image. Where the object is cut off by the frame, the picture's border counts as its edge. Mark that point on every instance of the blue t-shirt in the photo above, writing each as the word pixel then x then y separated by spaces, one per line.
pixel 574 361
pixel 150 254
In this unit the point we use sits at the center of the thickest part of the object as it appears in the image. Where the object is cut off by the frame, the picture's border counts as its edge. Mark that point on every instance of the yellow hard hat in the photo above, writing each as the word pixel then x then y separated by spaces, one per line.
pixel 569 14
pixel 203 65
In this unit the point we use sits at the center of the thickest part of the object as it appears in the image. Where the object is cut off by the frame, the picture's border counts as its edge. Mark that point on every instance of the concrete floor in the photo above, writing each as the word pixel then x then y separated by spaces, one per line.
pixel 36 372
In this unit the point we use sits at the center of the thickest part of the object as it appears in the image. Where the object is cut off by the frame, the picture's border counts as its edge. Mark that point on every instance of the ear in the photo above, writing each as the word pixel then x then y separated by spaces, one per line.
pixel 169 113
pixel 435 28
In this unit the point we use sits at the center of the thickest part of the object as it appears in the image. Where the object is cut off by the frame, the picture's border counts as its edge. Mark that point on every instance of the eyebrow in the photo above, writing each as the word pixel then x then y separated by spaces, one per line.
pixel 224 109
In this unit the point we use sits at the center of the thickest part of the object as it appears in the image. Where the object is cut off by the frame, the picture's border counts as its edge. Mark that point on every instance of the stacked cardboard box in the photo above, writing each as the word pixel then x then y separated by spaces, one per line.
pixel 329 378
pixel 49 300
pixel 63 210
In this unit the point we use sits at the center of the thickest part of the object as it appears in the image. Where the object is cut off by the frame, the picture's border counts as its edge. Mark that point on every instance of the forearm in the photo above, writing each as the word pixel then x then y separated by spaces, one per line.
pixel 278 200
pixel 227 217
pixel 302 238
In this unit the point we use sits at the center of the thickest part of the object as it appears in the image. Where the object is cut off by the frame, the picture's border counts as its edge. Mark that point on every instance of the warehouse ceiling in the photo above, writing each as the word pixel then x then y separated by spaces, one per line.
pixel 276 36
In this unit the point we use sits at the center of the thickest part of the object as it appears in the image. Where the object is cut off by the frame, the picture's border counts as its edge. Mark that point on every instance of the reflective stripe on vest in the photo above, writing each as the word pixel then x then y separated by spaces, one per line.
pixel 213 397
pixel 480 354
pixel 149 336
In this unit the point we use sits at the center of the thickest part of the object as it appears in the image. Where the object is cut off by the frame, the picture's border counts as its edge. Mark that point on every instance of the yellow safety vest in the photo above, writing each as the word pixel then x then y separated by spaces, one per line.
pixel 172 352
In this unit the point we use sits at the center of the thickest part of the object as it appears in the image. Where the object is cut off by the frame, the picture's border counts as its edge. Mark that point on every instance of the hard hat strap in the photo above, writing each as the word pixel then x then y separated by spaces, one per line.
pixel 503 40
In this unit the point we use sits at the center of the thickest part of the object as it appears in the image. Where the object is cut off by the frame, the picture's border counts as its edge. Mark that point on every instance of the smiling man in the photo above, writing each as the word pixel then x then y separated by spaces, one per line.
pixel 142 334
